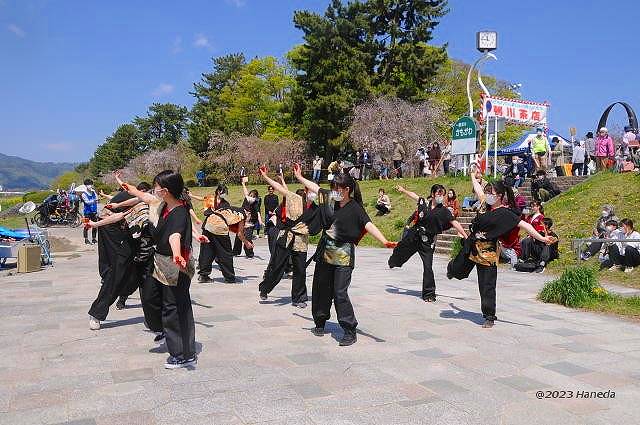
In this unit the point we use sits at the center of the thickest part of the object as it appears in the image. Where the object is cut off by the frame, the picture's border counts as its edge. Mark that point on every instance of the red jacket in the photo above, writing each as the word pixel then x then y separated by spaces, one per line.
pixel 536 222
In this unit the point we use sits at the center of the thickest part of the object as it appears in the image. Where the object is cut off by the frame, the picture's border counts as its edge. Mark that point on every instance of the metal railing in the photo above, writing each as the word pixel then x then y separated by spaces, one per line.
pixel 576 244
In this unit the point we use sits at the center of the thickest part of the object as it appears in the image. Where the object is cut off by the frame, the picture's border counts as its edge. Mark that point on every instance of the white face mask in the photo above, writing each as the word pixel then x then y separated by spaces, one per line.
pixel 335 195
pixel 610 229
pixel 311 196
pixel 439 199
pixel 491 199
pixel 526 211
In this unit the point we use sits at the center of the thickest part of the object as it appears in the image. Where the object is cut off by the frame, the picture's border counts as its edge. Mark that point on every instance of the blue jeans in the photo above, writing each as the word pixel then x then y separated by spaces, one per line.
pixel 316 175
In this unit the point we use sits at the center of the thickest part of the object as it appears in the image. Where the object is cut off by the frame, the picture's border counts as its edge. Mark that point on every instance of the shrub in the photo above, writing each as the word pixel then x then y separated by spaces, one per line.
pixel 190 183
pixel 456 246
pixel 36 197
pixel 576 286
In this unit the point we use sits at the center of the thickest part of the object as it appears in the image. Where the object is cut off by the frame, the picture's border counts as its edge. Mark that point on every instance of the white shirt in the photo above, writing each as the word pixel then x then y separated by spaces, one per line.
pixel 632 235
pixel 578 154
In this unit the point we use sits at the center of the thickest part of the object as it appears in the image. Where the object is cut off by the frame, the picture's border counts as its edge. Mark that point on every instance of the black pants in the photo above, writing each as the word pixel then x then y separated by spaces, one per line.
pixel 272 236
pixel 238 245
pixel 594 248
pixel 445 165
pixel 139 273
pixel 487 277
pixel 631 257
pixel 276 269
pixel 398 166
pixel 535 250
pixel 218 249
pixel 382 209
pixel 330 283
pixel 177 315
pixel 94 231
pixel 577 166
pixel 408 246
pixel 115 263
pixel 151 298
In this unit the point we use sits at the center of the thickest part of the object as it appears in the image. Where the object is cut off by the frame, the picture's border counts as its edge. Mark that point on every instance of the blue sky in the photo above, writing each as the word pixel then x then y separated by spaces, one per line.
pixel 72 71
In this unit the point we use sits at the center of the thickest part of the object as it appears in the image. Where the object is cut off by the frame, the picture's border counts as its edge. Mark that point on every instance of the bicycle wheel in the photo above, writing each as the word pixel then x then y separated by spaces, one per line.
pixel 75 220
pixel 40 220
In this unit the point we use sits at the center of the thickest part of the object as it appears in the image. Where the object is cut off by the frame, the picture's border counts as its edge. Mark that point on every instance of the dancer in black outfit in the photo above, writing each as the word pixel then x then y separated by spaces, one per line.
pixel 345 222
pixel 429 220
pixel 172 233
pixel 487 227
pixel 296 222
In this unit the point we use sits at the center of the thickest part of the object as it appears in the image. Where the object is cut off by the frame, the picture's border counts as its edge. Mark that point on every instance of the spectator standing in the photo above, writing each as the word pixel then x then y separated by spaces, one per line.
pixel 90 200
pixel 367 164
pixel 451 202
pixel 271 202
pixel 446 155
pixel 398 157
pixel 421 155
pixel 384 170
pixel 604 149
pixel 541 149
pixel 200 177
pixel 383 203
pixel 317 170
pixel 590 147
pixel 579 154
pixel 626 254
pixel 435 154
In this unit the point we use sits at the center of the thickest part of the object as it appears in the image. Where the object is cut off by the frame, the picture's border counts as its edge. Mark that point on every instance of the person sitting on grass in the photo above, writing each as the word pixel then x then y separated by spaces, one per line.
pixel 599 231
pixel 383 204
pixel 612 232
pixel 540 253
pixel 542 189
pixel 626 255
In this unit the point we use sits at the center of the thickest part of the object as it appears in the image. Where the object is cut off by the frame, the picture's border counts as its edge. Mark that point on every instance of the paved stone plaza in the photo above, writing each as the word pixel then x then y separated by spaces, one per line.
pixel 414 363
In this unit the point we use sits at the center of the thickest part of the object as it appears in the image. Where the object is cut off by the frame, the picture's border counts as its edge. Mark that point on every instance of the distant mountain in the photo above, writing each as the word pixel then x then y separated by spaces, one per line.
pixel 21 174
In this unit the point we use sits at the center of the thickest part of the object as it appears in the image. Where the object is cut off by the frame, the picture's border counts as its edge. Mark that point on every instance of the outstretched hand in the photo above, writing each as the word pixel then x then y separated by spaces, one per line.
pixel 263 170
pixel 400 189
pixel 203 239
pixel 297 170
pixel 390 244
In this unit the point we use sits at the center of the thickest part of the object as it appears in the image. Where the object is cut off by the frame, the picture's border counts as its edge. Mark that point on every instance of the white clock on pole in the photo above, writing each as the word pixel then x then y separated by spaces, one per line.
pixel 487 40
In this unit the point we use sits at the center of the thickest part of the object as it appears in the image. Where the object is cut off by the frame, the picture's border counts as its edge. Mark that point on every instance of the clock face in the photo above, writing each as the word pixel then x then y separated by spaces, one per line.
pixel 487 40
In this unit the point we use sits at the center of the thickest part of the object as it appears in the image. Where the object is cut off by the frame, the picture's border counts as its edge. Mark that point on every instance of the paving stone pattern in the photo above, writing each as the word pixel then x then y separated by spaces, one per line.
pixel 414 363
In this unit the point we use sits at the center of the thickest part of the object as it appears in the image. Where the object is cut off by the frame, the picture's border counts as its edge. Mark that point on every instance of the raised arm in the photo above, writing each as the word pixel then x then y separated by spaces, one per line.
pixel 196 197
pixel 377 234
pixel 408 193
pixel 124 204
pixel 110 219
pixel 132 190
pixel 276 186
pixel 243 180
pixel 105 196
pixel 283 182
pixel 534 233
pixel 311 186
pixel 477 187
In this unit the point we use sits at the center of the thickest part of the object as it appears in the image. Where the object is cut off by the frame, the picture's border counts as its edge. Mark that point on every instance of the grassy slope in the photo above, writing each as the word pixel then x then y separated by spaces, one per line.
pixel 575 212
pixel 391 225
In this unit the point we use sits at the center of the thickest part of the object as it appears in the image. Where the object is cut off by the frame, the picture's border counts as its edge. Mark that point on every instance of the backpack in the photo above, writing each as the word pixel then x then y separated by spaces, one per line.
pixel 527 267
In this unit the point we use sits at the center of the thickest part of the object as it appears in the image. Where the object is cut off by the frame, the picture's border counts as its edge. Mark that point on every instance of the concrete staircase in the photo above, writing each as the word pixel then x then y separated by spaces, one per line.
pixel 445 241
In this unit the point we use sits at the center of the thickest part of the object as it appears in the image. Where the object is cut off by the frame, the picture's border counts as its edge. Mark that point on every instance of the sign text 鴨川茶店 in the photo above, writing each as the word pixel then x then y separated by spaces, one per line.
pixel 515 110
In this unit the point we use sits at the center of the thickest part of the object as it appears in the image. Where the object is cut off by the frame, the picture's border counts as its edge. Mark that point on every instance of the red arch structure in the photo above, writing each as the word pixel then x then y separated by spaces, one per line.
pixel 633 121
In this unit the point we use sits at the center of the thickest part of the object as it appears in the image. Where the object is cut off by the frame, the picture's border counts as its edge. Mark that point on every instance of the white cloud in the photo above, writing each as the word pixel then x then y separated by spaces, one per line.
pixel 176 46
pixel 201 41
pixel 19 32
pixel 237 3
pixel 162 90
pixel 58 147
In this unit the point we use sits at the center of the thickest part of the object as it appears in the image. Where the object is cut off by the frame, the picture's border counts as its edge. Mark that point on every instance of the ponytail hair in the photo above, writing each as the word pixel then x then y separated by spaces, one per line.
pixel 502 189
pixel 346 181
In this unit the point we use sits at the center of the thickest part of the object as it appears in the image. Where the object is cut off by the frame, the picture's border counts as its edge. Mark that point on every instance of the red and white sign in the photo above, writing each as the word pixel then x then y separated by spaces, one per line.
pixel 518 111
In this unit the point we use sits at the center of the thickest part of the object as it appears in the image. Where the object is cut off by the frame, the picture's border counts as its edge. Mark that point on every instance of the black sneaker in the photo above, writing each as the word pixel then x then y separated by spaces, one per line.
pixel 539 269
pixel 203 278
pixel 160 338
pixel 263 296
pixel 348 339
pixel 120 305
pixel 230 281
pixel 87 242
pixel 317 331
pixel 430 299
pixel 488 324
pixel 300 305
pixel 94 241
pixel 179 362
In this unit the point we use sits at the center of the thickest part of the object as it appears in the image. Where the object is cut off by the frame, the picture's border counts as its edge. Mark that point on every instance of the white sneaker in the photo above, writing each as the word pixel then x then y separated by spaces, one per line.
pixel 94 324
pixel 628 270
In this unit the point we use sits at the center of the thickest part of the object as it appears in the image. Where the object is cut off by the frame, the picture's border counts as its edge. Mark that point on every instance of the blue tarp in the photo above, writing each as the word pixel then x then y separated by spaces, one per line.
pixel 522 144
pixel 7 233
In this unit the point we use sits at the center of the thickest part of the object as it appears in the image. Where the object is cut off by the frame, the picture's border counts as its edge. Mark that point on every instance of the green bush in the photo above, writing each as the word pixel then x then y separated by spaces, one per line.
pixel 456 246
pixel 574 288
pixel 36 197
pixel 6 203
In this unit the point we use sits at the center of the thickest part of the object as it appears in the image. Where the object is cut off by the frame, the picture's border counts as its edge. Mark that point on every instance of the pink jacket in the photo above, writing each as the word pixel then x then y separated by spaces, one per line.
pixel 604 147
